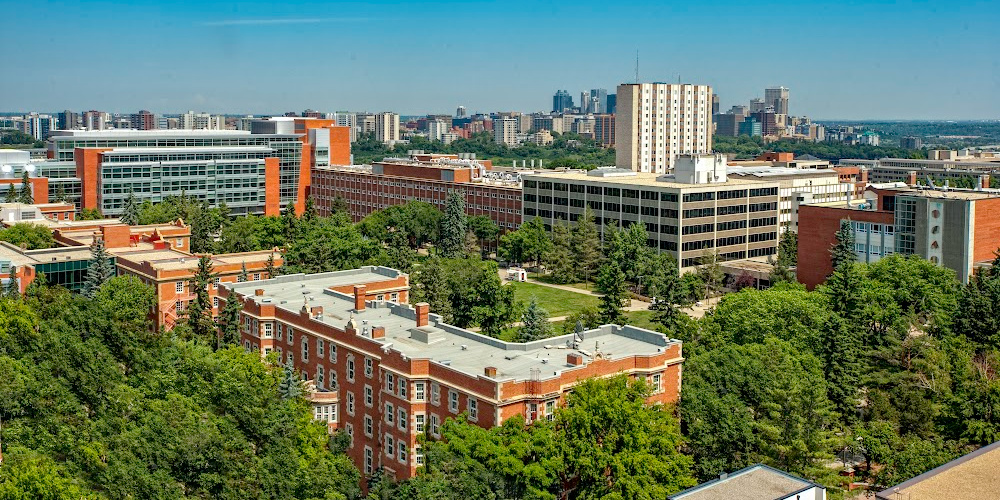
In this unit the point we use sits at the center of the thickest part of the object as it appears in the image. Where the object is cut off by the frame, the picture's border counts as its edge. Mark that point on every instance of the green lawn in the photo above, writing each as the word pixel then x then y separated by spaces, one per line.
pixel 545 278
pixel 557 302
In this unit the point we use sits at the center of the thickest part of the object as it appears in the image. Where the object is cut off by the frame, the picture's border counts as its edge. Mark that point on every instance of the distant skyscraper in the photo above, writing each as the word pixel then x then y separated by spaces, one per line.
pixel 597 102
pixel 729 124
pixel 387 127
pixel 143 120
pixel 612 103
pixel 648 132
pixel 910 142
pixel 740 110
pixel 715 104
pixel 436 129
pixel 505 131
pixel 460 112
pixel 95 120
pixel 756 104
pixel 561 101
pixel 68 120
pixel 778 98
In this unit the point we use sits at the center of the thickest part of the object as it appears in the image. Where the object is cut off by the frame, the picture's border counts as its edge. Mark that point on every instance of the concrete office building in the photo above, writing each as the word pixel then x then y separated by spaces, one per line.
pixel 422 177
pixel 695 210
pixel 505 131
pixel 957 229
pixel 436 130
pixel 757 104
pixel 777 98
pixel 797 186
pixel 655 122
pixel 386 373
pixel 728 124
pixel 967 171
pixel 260 171
pixel 387 128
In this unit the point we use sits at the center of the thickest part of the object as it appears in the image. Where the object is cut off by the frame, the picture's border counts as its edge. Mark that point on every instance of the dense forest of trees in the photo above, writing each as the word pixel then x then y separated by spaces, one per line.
pixel 746 147
pixel 10 137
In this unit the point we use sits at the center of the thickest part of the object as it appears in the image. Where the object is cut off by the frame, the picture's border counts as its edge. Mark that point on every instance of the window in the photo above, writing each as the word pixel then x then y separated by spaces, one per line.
pixel 402 387
pixel 179 287
pixel 369 367
pixel 435 393
pixel 320 346
pixel 291 359
pixel 256 276
pixel 418 456
pixel 368 460
pixel 532 413
pixel 434 425
pixel 281 331
pixel 418 391
pixel 333 352
pixel 350 403
pixel 654 382
pixel 320 378
pixel 350 434
pixel 268 327
pixel 369 425
pixel 291 336
pixel 215 302
pixel 390 383
pixel 453 401
pixel 390 414
pixel 550 410
pixel 350 368
pixel 473 405
pixel 389 448
pixel 402 452
pixel 401 419
pixel 369 396
pixel 305 349
pixel 418 422
pixel 333 379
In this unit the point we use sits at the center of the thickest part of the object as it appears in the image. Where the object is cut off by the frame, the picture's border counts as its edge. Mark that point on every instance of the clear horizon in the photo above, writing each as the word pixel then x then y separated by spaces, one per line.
pixel 916 61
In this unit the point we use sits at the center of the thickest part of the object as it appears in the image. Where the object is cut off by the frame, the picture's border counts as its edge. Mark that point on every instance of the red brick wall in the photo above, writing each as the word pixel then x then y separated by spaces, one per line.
pixel 817 234
pixel 272 191
pixel 88 169
pixel 340 145
pixel 987 230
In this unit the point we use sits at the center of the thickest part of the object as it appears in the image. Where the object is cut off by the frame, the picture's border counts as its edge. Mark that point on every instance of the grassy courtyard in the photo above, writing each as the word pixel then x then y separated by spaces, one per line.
pixel 557 302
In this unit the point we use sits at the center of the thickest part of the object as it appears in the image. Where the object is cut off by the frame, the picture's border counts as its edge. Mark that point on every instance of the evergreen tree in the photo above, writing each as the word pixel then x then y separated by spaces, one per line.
pixel 535 323
pixel 711 272
pixel 199 313
pixel 229 320
pixel 587 243
pixel 100 269
pixel 204 225
pixel 26 197
pixel 291 384
pixel 453 226
pixel 61 194
pixel 611 283
pixel 11 194
pixel 291 222
pixel 242 278
pixel 130 212
pixel 272 271
pixel 560 257
pixel 788 257
pixel 12 290
pixel 979 306
pixel 310 214
pixel 843 250
pixel 842 364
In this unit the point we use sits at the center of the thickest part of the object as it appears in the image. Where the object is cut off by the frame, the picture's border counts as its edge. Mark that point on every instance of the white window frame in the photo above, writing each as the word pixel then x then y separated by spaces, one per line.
pixel 453 400
pixel 390 414
pixel 419 422
pixel 369 367
pixel 369 396
pixel 350 403
pixel 179 287
pixel 473 406
pixel 350 368
pixel 401 418
pixel 419 391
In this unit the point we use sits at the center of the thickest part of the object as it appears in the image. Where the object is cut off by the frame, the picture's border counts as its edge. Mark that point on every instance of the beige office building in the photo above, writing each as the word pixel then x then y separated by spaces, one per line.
pixel 655 122
pixel 387 127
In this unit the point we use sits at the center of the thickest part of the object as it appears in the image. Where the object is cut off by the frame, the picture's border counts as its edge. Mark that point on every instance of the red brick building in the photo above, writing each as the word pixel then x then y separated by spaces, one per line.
pixel 957 229
pixel 385 372
pixel 423 177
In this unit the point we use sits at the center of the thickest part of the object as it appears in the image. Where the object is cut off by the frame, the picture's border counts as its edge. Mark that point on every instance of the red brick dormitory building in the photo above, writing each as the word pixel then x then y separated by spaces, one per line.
pixel 385 372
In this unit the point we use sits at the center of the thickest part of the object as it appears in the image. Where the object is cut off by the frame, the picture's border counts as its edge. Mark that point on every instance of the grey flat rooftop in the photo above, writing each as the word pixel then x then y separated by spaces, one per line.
pixel 627 178
pixel 197 149
pixel 764 171
pixel 460 349
pixel 757 482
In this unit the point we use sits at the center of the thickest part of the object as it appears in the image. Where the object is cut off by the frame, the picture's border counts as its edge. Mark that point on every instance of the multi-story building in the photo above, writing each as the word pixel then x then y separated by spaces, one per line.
pixel 386 373
pixel 38 126
pixel 505 131
pixel 143 120
pixel 68 119
pixel 656 122
pixel 728 124
pixel 751 127
pixel 612 103
pixel 259 171
pixel 959 171
pixel 95 120
pixel 201 121
pixel 796 186
pixel 387 127
pixel 562 101
pixel 757 104
pixel 715 104
pixel 604 130
pixel 910 142
pixel 436 130
pixel 954 228
pixel 768 120
pixel 694 211
pixel 422 177
pixel 777 97
pixel 460 112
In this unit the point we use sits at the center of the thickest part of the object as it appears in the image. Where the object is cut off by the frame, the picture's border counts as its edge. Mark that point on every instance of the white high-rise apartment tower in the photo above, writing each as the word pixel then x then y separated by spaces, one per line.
pixel 655 122
pixel 505 131
pixel 387 127
pixel 778 98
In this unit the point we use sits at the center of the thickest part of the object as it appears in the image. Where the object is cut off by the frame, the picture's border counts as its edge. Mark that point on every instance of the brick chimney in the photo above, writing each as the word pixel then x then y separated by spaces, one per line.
pixel 911 178
pixel 359 297
pixel 378 332
pixel 490 371
pixel 259 292
pixel 316 312
pixel 574 358
pixel 423 309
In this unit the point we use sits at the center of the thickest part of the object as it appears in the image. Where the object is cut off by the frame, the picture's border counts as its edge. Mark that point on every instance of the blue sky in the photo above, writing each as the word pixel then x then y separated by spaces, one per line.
pixel 846 59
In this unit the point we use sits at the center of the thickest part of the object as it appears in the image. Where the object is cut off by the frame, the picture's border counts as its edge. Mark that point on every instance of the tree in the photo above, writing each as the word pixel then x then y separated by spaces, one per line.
pixel 25 195
pixel 636 254
pixel 611 284
pixel 560 256
pixel 535 323
pixel 787 258
pixel 199 312
pixel 711 272
pixel 310 212
pixel 12 290
pixel 100 269
pixel 229 321
pixel 130 212
pixel 587 243
pixel 269 267
pixel 535 241
pixel 485 229
pixel 979 306
pixel 843 250
pixel 28 235
pixel 453 226
pixel 242 277
pixel 291 384
pixel 90 214
pixel 61 194
pixel 11 196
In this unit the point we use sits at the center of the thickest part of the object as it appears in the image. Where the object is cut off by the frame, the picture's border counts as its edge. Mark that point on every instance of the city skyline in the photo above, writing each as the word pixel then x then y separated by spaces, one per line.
pixel 234 58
